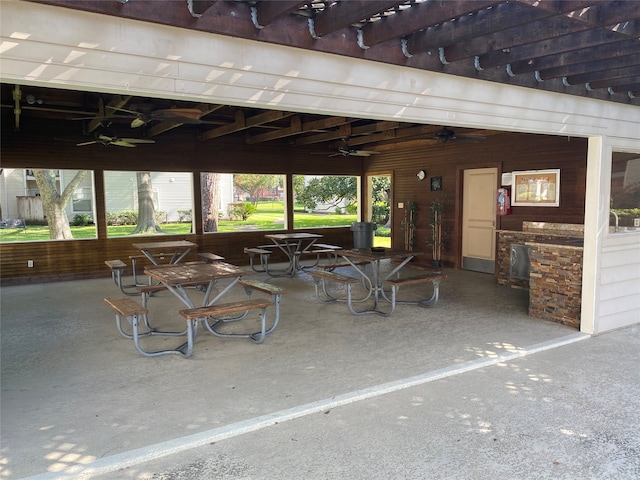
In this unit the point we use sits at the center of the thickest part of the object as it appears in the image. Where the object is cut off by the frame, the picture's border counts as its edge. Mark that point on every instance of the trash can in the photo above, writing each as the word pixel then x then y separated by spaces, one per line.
pixel 363 234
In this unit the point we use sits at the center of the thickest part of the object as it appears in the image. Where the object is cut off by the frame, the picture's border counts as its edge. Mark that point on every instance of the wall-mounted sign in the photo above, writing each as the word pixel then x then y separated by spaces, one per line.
pixel 536 188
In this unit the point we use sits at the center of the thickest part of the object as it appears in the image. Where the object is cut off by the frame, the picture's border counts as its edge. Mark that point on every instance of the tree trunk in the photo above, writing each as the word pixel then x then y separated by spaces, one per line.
pixel 210 201
pixel 146 211
pixel 54 203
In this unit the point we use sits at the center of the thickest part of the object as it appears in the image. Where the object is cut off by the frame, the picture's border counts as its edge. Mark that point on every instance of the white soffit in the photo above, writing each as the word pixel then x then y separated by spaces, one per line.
pixel 66 48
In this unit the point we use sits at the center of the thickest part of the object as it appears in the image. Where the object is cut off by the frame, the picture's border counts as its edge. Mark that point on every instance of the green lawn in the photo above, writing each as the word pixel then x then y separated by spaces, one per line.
pixel 269 216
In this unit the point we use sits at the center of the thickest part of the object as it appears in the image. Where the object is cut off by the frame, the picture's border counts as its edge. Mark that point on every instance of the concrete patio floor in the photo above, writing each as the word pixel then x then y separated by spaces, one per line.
pixel 472 388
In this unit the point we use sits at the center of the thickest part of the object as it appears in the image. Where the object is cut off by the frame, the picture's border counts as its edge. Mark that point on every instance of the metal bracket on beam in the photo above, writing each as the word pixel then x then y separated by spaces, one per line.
pixel 254 18
pixel 509 71
pixel 312 29
pixel 538 77
pixel 588 87
pixel 610 90
pixel 405 50
pixel 361 39
pixel 443 60
pixel 630 94
pixel 476 63
pixel 191 11
pixel 565 82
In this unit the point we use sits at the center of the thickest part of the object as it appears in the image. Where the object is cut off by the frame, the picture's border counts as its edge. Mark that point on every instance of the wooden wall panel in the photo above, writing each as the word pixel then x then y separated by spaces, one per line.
pixel 60 260
pixel 507 152
pixel 49 146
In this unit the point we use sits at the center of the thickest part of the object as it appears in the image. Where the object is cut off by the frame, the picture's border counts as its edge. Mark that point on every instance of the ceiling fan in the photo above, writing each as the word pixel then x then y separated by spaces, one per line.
pixel 346 151
pixel 144 114
pixel 120 142
pixel 446 134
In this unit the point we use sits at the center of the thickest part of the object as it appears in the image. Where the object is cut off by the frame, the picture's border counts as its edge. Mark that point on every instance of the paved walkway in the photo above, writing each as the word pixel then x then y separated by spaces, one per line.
pixel 470 389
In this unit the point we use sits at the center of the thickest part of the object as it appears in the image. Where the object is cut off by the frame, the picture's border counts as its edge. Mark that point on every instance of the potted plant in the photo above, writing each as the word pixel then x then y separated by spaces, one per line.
pixel 435 241
pixel 409 225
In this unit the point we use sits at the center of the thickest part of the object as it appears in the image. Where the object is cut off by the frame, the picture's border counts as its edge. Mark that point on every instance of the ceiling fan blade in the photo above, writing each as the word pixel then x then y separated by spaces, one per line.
pixel 183 114
pixel 138 122
pixel 136 140
pixel 469 138
pixel 86 143
pixel 121 143
pixel 364 153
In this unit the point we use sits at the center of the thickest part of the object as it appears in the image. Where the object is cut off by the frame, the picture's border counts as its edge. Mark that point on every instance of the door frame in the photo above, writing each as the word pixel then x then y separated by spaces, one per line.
pixel 457 253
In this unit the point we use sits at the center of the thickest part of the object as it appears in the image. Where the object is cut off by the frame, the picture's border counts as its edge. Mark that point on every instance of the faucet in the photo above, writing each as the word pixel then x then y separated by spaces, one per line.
pixel 611 212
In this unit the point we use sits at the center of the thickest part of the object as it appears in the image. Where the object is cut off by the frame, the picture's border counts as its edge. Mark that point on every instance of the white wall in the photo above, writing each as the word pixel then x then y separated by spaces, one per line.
pixel 64 48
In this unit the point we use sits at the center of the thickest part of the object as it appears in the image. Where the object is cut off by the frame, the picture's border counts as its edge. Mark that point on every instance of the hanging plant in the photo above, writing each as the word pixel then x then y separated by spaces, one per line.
pixel 409 225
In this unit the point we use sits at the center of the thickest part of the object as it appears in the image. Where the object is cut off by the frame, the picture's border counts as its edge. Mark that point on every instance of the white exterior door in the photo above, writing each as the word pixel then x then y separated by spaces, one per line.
pixel 479 219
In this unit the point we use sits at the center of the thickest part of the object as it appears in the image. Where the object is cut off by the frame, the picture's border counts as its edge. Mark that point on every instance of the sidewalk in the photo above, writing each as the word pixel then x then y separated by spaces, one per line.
pixel 570 412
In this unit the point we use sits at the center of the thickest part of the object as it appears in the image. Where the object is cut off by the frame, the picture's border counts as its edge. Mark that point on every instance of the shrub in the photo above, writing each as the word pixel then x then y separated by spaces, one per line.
pixel 184 216
pixel 130 217
pixel 81 220
pixel 240 210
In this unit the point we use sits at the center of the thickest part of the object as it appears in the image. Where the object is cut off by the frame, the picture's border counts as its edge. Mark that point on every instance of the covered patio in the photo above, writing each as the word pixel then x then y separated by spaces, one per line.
pixel 82 401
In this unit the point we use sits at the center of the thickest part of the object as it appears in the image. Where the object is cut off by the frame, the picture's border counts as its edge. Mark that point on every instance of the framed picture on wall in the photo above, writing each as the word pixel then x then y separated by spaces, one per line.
pixel 536 188
pixel 436 183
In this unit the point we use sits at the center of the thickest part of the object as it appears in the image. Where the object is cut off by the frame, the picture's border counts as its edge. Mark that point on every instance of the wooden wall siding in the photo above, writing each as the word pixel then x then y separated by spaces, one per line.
pixel 51 145
pixel 59 260
pixel 507 152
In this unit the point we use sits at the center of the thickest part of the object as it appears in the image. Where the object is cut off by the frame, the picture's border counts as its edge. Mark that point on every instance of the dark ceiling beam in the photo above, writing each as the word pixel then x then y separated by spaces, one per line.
pixel 298 127
pixel 558 6
pixel 199 7
pixel 418 17
pixel 604 75
pixel 268 11
pixel 589 66
pixel 242 123
pixel 167 125
pixel 484 22
pixel 633 89
pixel 343 14
pixel 593 54
pixel 364 130
pixel 294 128
pixel 234 18
pixel 552 46
pixel 104 112
pixel 527 41
pixel 617 82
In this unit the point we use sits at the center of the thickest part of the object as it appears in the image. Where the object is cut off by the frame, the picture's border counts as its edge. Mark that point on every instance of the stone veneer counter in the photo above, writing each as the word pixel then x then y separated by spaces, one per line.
pixel 555 281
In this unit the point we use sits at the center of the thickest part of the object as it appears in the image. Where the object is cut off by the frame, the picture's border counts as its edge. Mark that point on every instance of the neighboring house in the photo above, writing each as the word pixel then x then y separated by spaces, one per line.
pixel 172 192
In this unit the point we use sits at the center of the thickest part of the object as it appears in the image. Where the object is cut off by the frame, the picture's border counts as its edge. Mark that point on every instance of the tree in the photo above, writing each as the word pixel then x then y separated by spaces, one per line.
pixel 380 194
pixel 210 201
pixel 146 211
pixel 255 184
pixel 328 190
pixel 54 203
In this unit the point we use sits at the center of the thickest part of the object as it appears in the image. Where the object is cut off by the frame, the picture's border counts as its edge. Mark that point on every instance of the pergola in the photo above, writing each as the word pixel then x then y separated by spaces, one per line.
pixel 380 74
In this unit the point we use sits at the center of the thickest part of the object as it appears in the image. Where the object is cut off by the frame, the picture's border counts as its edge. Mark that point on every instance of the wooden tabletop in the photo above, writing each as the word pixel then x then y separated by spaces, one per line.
pixel 183 273
pixel 371 256
pixel 292 236
pixel 164 245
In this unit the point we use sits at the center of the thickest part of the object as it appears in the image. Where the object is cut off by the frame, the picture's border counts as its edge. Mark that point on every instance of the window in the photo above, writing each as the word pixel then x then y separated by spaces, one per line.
pixel 25 193
pixel 237 202
pixel 625 192
pixel 325 201
pixel 148 203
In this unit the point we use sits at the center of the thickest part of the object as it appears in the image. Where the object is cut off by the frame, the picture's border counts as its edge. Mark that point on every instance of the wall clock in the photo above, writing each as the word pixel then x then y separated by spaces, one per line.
pixel 421 175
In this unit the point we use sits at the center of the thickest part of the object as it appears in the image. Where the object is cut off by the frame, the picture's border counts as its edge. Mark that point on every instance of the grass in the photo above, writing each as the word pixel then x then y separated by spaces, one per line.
pixel 269 216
